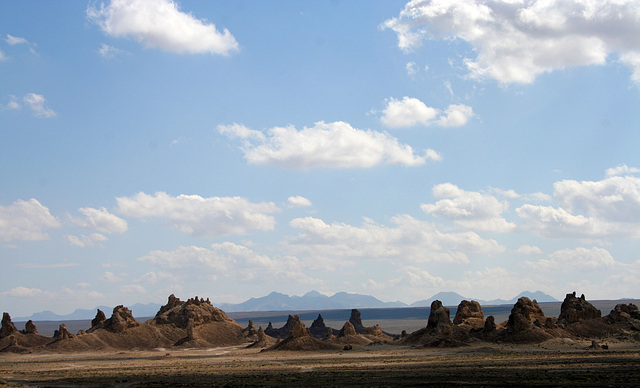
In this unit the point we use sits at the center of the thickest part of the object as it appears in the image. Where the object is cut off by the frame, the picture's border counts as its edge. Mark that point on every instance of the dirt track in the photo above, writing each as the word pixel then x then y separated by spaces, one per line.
pixel 554 363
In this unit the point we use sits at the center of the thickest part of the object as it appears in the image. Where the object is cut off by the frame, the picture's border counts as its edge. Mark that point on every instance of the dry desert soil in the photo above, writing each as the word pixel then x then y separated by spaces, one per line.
pixel 557 362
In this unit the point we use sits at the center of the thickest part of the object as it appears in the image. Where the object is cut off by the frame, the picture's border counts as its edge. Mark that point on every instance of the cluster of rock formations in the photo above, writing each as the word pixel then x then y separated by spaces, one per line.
pixel 197 323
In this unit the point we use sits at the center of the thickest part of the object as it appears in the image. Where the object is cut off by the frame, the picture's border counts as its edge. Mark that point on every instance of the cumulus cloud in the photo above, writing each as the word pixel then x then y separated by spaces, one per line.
pixel 110 277
pixel 100 220
pixel 336 145
pixel 622 170
pixel 512 194
pixel 408 240
pixel 410 112
pixel 469 209
pixel 231 260
pixel 161 24
pixel 407 113
pixel 456 115
pixel 529 250
pixel 240 131
pixel 26 221
pixel 298 201
pixel 589 209
pixel 198 216
pixel 578 259
pixel 515 41
pixel 22 292
pixel 614 199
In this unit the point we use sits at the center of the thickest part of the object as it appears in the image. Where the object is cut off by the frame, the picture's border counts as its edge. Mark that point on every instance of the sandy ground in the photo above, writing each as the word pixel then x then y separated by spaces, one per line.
pixel 558 362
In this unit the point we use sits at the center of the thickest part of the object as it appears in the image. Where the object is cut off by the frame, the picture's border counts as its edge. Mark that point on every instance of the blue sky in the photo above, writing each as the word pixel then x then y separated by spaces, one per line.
pixel 231 149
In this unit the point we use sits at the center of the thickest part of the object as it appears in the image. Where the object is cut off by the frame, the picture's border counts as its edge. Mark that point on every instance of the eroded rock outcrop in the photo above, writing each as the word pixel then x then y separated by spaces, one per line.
pixel 7 327
pixel 30 327
pixel 356 320
pixel 469 313
pixel 623 313
pixel 196 310
pixel 575 309
pixel 282 332
pixel 262 341
pixel 121 320
pixel 62 333
pixel 99 320
pixel 525 314
pixel 375 331
pixel 318 328
pixel 347 329
pixel 300 339
pixel 439 318
pixel 489 325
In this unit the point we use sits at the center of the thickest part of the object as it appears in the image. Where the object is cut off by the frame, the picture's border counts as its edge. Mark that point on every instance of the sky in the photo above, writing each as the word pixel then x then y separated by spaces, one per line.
pixel 228 149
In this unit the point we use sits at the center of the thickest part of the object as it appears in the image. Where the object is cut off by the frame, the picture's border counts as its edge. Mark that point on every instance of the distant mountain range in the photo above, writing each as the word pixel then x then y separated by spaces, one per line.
pixel 139 310
pixel 312 300
pixel 453 299
pixel 276 301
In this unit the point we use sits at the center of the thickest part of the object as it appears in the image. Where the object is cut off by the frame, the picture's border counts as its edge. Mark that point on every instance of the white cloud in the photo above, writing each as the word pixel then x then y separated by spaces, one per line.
pixel 529 250
pixel 515 41
pixel 456 115
pixel 13 40
pixel 589 209
pixel 409 240
pixel 622 170
pixel 3 56
pixel 578 259
pixel 36 103
pixel 100 220
pixel 336 145
pixel 407 113
pixel 86 241
pixel 412 68
pixel 108 52
pixel 13 104
pixel 558 223
pixel 201 217
pixel 512 194
pixel 187 256
pixel 615 199
pixel 161 24
pixel 110 277
pixel 469 209
pixel 23 292
pixel 26 221
pixel 298 201
pixel 155 277
pixel 410 112
pixel 240 131
pixel 231 260
pixel 133 289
